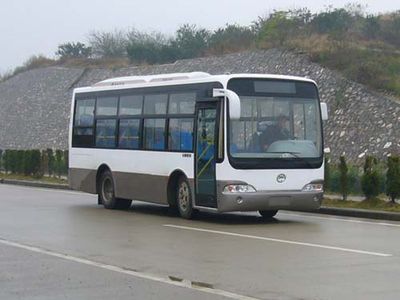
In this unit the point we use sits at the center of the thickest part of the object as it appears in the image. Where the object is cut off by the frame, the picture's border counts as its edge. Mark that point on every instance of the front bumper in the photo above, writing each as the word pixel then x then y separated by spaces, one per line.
pixel 266 200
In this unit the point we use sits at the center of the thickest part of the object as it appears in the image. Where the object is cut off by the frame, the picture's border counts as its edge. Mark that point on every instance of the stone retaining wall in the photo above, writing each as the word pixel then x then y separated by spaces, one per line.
pixel 35 105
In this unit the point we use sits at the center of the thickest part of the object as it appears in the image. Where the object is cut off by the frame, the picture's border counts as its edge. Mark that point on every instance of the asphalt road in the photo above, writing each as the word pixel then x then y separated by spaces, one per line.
pixel 61 245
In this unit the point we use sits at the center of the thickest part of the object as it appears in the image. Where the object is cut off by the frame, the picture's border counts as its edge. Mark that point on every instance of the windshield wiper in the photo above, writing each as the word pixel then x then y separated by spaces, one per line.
pixel 294 154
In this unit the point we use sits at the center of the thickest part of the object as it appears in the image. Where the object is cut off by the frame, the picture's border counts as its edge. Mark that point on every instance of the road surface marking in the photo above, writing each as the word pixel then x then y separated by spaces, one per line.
pixel 278 240
pixel 340 219
pixel 192 285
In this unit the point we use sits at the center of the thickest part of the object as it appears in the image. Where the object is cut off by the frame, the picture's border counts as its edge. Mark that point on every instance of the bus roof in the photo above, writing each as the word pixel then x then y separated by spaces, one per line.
pixel 175 78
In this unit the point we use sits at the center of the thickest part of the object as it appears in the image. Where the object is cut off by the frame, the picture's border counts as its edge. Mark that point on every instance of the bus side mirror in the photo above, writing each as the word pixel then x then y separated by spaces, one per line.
pixel 324 111
pixel 234 102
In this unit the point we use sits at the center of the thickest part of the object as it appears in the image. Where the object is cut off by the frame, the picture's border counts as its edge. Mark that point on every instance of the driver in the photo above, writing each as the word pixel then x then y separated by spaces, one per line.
pixel 278 131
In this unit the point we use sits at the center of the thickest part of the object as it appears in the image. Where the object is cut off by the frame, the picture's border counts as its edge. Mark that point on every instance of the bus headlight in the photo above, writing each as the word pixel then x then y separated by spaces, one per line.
pixel 239 188
pixel 313 187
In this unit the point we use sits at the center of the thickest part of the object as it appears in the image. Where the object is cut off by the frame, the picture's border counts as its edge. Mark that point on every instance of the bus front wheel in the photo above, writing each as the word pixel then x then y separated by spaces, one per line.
pixel 184 199
pixel 267 214
pixel 107 193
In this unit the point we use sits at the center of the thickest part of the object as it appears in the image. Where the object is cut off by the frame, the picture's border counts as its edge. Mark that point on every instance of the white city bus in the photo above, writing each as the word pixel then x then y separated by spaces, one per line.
pixel 238 142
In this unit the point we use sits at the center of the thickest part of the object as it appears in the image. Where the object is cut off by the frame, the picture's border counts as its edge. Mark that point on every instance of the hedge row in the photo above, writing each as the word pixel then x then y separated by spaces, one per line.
pixel 373 179
pixel 35 163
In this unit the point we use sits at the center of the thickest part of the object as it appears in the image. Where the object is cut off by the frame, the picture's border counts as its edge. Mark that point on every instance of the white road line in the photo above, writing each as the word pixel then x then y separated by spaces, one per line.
pixel 340 219
pixel 279 240
pixel 183 283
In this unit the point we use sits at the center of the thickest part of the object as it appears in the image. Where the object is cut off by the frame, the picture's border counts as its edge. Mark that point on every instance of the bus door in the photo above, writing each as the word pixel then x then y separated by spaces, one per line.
pixel 205 153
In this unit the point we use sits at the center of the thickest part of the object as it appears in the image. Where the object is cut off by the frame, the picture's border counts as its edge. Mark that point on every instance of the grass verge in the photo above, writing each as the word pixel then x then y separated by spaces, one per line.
pixel 373 204
pixel 44 179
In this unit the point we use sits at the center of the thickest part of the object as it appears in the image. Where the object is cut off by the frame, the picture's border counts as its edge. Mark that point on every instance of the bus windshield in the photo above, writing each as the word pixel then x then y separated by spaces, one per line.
pixel 280 121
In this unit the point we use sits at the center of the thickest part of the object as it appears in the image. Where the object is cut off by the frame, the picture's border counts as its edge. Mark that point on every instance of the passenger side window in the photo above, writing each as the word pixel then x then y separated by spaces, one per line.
pixel 107 106
pixel 180 134
pixel 83 123
pixel 130 105
pixel 84 113
pixel 105 133
pixel 182 103
pixel 154 134
pixel 129 133
pixel 155 104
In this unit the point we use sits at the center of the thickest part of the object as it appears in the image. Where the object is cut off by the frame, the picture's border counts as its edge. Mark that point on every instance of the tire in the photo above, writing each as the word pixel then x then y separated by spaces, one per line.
pixel 107 193
pixel 184 198
pixel 267 214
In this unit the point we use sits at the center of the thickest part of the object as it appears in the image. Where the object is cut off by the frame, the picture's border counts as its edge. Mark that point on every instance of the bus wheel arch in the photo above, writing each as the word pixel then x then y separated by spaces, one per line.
pixel 100 171
pixel 105 176
pixel 180 196
pixel 172 185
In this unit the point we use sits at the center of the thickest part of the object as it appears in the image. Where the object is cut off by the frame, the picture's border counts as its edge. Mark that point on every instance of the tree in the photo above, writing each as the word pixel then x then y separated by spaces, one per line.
pixel 391 28
pixel 190 41
pixel 231 38
pixel 335 21
pixel 344 180
pixel 393 178
pixel 108 44
pixel 73 50
pixel 371 26
pixel 150 48
pixel 370 181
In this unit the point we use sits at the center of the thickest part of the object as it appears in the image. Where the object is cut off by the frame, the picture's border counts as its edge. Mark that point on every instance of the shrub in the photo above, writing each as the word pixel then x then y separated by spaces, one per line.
pixel 36 163
pixel 1 159
pixel 20 161
pixel 27 162
pixel 354 178
pixel 11 161
pixel 393 178
pixel 6 162
pixel 371 181
pixel 327 173
pixel 44 163
pixel 66 162
pixel 51 162
pixel 344 180
pixel 59 163
pixel 73 50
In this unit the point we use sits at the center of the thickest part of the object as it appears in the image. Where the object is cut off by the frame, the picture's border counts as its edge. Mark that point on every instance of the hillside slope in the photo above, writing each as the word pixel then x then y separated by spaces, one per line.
pixel 35 105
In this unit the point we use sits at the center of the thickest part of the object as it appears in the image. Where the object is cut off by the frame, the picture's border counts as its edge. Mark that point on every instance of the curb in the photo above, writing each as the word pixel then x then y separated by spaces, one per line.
pixel 35 184
pixel 345 212
pixel 360 213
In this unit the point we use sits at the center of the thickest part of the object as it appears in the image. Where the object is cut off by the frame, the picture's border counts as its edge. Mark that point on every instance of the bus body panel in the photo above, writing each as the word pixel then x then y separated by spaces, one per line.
pixel 140 175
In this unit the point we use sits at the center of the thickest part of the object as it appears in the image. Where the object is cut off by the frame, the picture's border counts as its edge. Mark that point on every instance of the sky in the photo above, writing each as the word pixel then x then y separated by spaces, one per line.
pixel 32 27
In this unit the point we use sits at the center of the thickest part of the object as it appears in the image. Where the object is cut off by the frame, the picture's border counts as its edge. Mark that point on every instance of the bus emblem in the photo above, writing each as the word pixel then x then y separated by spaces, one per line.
pixel 281 178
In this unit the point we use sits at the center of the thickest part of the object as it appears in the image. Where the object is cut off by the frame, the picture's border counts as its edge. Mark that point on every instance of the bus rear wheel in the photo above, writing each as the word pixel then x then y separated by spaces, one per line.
pixel 267 214
pixel 107 193
pixel 184 200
